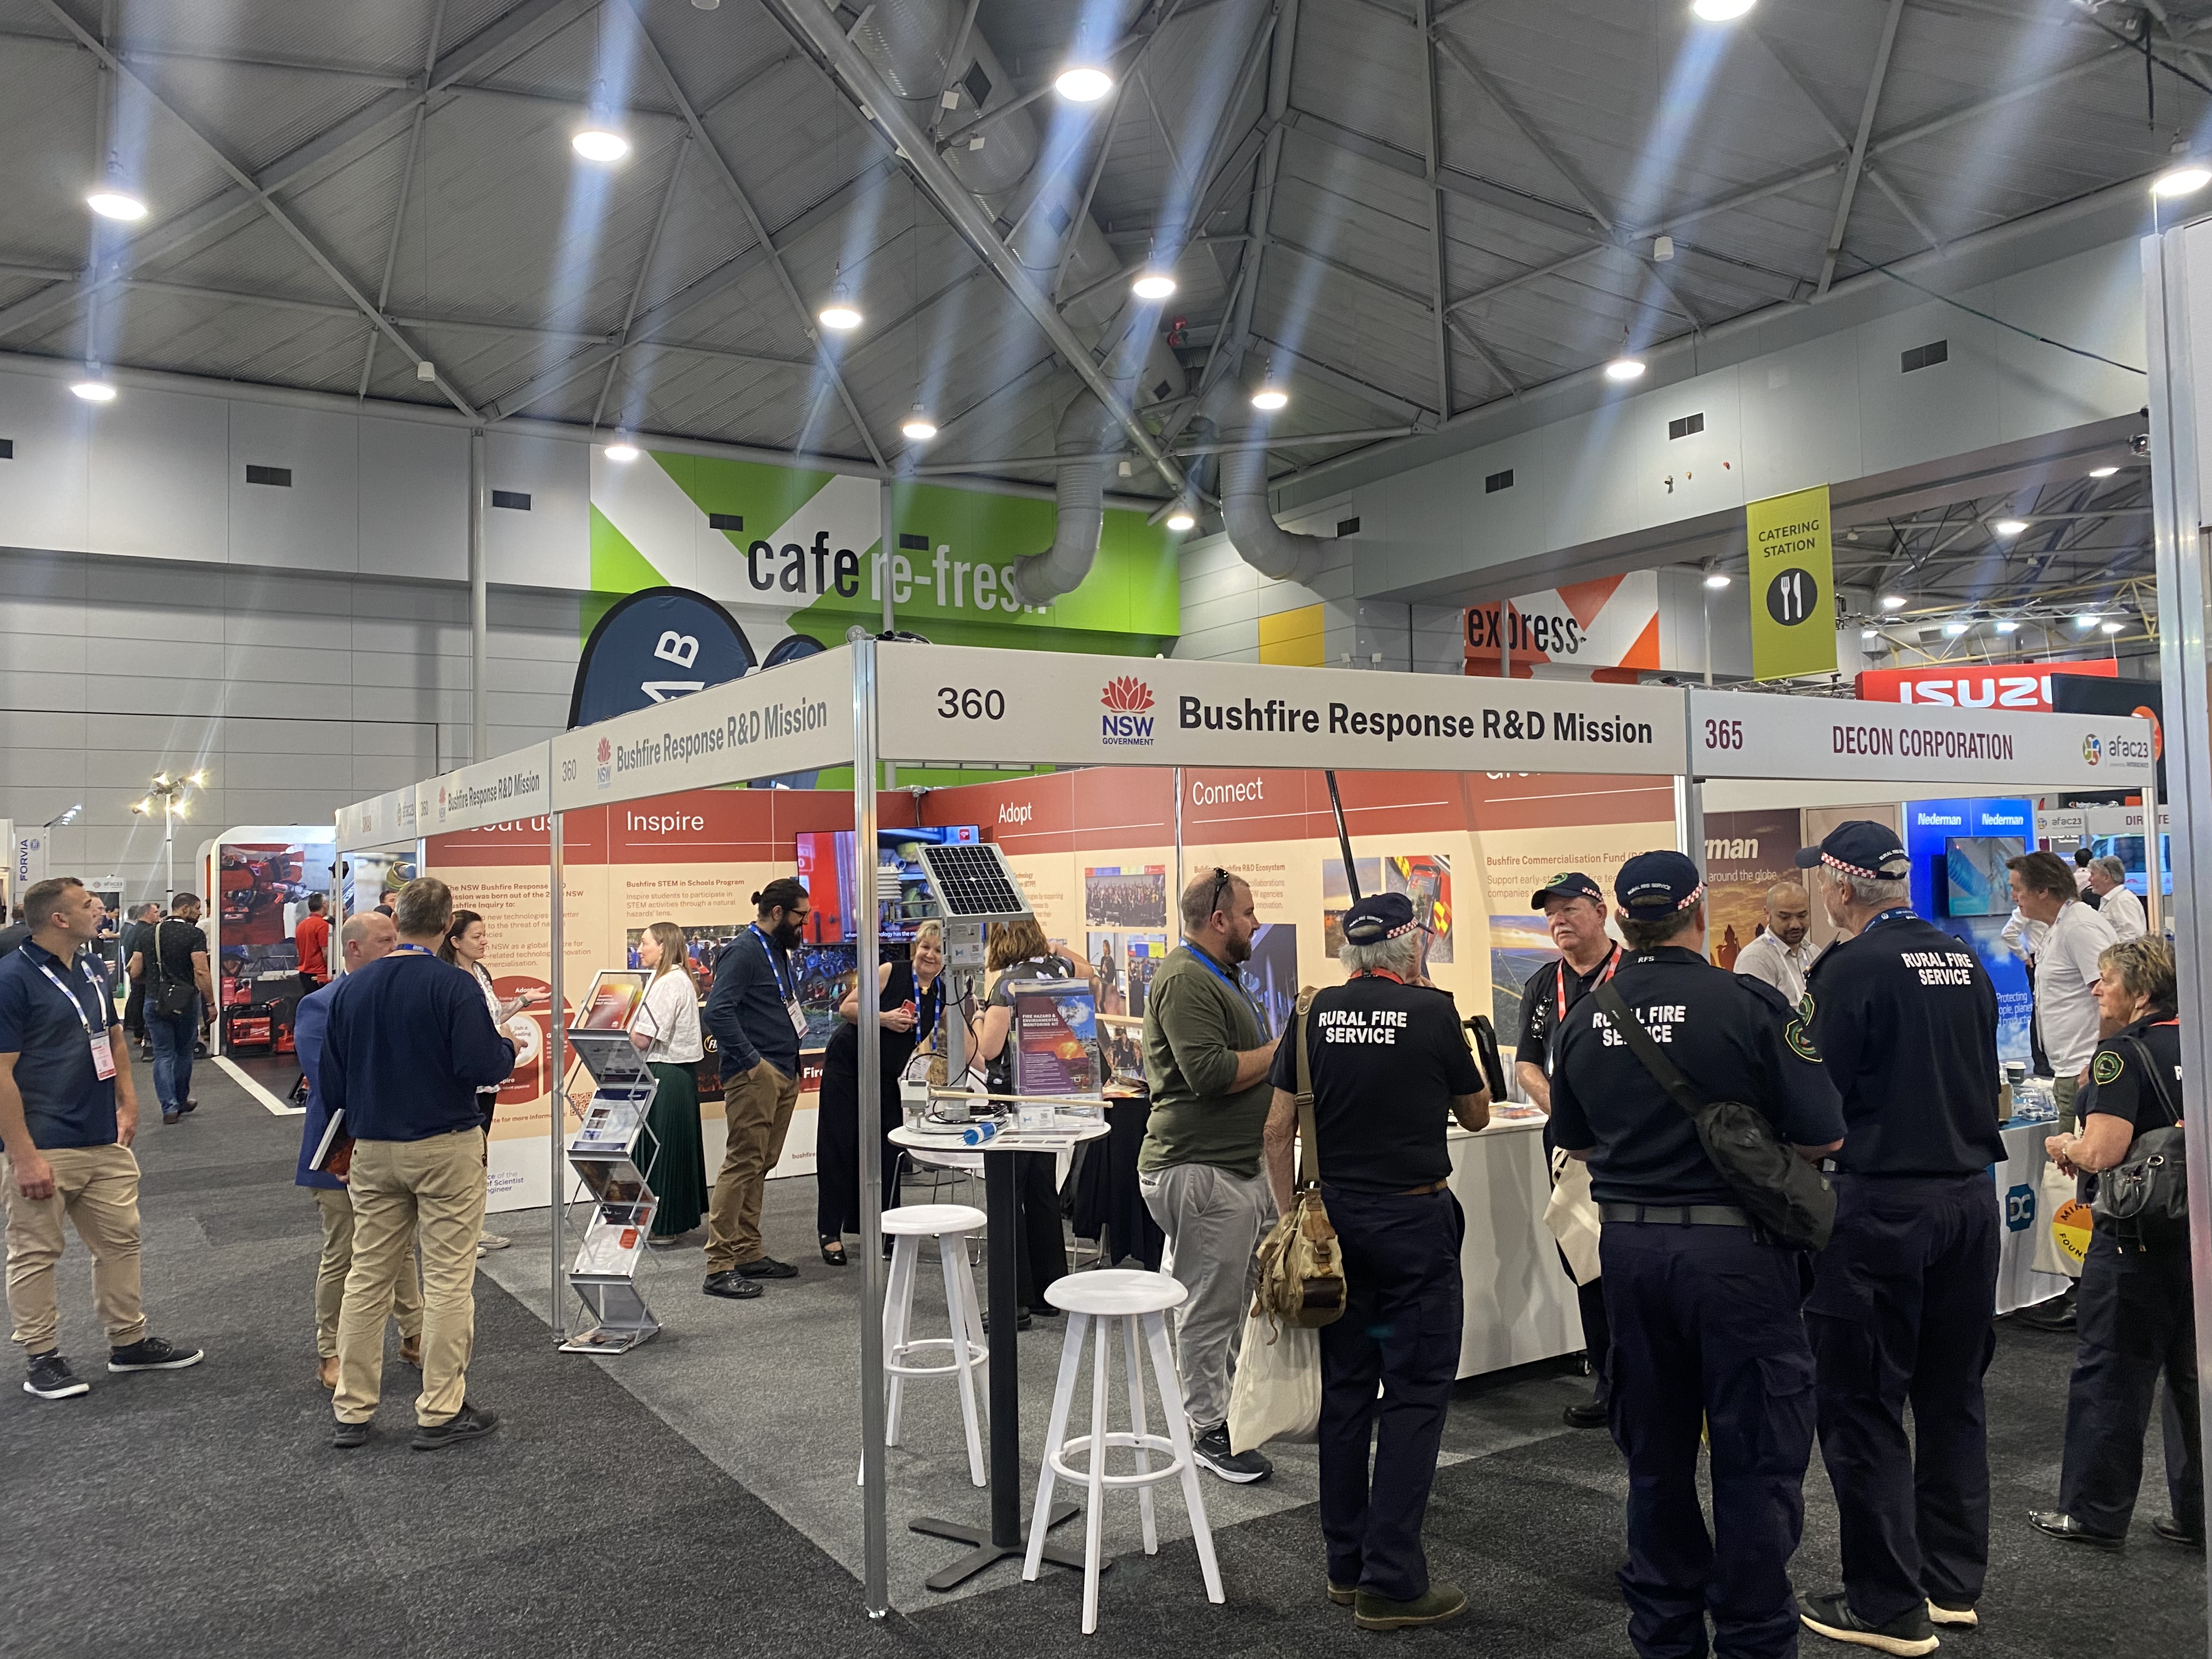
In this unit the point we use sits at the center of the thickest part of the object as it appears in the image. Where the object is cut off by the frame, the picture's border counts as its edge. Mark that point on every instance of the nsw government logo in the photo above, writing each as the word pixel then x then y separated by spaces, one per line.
pixel 606 764
pixel 1127 723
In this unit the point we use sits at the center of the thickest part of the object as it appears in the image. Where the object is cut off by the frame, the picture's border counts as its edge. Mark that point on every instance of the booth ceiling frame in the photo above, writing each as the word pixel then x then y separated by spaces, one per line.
pixel 338 195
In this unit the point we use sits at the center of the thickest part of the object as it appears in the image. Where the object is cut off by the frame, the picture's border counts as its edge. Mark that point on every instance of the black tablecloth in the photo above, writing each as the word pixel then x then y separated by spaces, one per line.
pixel 1105 1187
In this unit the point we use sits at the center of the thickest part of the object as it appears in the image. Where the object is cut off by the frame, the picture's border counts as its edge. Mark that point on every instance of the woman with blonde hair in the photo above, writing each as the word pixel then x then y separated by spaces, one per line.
pixel 666 1032
pixel 909 1008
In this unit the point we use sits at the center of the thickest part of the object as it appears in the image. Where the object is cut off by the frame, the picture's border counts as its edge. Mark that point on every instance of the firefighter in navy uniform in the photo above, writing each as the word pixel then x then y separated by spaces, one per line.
pixel 1905 1018
pixel 1704 1309
pixel 1574 914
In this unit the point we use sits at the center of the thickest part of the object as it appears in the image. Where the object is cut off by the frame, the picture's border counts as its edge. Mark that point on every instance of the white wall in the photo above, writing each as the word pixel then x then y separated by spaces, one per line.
pixel 297 691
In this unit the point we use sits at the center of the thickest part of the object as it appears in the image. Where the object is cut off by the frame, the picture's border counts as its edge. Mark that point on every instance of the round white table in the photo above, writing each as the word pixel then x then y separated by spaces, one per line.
pixel 1006 1534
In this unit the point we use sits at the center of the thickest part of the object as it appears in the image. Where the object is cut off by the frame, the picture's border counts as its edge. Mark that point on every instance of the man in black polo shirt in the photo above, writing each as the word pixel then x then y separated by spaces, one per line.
pixel 137 932
pixel 1906 1019
pixel 1388 1063
pixel 68 1115
pixel 1703 1308
pixel 1574 914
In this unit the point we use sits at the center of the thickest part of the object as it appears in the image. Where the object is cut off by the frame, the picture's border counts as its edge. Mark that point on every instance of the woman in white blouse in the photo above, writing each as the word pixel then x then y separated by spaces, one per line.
pixel 666 1032
pixel 466 944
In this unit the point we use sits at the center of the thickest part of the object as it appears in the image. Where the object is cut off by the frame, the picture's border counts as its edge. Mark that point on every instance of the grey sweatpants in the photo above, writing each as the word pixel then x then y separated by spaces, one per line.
pixel 1213 1221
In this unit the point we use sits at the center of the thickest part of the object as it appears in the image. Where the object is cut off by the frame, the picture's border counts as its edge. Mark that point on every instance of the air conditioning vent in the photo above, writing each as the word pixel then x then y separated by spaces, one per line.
pixel 1347 526
pixel 912 543
pixel 281 477
pixel 977 83
pixel 1685 426
pixel 725 521
pixel 516 500
pixel 7 449
pixel 1497 480
pixel 1925 356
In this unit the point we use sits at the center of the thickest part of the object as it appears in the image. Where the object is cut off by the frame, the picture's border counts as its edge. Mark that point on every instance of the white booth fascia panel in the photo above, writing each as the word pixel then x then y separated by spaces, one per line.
pixel 414 500
pixel 45 490
pixel 159 483
pixel 313 523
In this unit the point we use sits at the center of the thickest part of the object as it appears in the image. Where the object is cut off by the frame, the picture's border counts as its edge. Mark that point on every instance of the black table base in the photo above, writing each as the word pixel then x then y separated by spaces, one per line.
pixel 987 1552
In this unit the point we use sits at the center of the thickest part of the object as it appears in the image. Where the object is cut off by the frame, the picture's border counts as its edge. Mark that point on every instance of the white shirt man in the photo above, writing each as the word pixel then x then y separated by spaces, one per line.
pixel 1783 955
pixel 2122 911
pixel 2066 1016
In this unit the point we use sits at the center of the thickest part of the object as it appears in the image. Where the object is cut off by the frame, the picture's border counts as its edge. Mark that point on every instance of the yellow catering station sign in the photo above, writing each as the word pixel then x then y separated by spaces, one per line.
pixel 1792 587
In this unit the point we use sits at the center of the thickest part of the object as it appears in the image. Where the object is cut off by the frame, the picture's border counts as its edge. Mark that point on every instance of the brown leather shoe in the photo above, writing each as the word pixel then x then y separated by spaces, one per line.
pixel 410 1352
pixel 327 1373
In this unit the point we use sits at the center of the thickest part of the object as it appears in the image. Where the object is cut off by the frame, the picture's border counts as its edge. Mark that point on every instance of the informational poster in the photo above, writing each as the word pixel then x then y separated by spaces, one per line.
pixel 1792 590
pixel 1745 854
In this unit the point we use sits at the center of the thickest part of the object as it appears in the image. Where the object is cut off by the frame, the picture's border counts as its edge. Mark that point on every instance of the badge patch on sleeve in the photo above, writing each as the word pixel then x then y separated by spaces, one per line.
pixel 1801 1041
pixel 2108 1067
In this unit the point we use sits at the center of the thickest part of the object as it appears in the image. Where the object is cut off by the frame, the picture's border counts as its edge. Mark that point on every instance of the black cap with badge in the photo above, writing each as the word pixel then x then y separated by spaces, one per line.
pixel 1378 917
pixel 1651 885
pixel 1568 884
pixel 1860 847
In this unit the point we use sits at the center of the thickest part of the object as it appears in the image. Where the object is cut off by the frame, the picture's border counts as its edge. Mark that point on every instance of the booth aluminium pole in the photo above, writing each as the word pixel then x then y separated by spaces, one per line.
pixel 867 1145
pixel 1179 875
pixel 2177 513
pixel 557 1117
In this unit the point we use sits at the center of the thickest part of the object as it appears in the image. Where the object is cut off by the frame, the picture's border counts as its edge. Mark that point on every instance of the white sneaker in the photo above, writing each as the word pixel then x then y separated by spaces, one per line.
pixel 493 1240
pixel 480 1252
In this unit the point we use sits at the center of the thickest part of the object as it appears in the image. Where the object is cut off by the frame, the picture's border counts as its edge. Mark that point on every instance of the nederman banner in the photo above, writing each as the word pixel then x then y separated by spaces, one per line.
pixel 953 703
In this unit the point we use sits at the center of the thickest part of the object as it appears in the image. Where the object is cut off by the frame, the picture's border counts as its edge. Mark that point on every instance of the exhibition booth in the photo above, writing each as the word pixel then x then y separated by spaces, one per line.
pixel 1465 793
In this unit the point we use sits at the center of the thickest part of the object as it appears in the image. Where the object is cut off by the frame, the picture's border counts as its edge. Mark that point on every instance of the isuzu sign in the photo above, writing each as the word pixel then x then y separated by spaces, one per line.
pixel 1967 685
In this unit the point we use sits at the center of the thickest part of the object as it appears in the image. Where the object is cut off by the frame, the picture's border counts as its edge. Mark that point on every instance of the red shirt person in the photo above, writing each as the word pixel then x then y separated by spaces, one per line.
pixel 311 939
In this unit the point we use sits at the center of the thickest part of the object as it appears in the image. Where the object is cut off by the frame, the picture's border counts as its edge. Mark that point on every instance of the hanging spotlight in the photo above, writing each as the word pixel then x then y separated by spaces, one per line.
pixel 1892 602
pixel 1083 83
pixel 2007 625
pixel 2185 179
pixel 2087 619
pixel 96 387
pixel 841 313
pixel 1722 11
pixel 1181 518
pixel 1953 630
pixel 112 201
pixel 1271 395
pixel 1869 634
pixel 1624 368
pixel 2009 526
pixel 1716 579
pixel 622 450
pixel 2102 472
pixel 1153 283
pixel 601 137
pixel 2111 627
pixel 918 427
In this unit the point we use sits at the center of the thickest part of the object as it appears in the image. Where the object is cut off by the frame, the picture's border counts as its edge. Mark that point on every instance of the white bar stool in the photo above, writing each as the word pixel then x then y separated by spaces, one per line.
pixel 968 1354
pixel 1135 1301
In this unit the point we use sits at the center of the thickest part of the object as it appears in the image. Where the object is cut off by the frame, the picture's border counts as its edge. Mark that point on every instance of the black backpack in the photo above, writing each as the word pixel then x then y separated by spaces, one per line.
pixel 1788 1198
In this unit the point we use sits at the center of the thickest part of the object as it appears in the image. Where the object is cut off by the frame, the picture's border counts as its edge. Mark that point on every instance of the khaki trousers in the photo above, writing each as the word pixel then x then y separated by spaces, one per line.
pixel 433 1193
pixel 97 1189
pixel 757 1109
pixel 336 1210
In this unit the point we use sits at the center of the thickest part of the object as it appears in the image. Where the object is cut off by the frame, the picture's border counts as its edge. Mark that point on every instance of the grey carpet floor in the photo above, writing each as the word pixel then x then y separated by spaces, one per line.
pixel 202 1513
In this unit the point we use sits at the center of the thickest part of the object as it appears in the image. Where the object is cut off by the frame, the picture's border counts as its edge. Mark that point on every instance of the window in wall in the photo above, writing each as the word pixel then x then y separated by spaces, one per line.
pixel 1925 356
pixel 517 500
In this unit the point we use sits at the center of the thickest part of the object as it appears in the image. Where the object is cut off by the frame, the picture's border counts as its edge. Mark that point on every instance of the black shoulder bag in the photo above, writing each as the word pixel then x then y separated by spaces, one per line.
pixel 172 1000
pixel 1788 1199
pixel 2149 1189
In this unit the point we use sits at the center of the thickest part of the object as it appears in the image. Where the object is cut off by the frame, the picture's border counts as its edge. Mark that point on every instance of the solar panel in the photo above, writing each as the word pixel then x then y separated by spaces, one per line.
pixel 974 881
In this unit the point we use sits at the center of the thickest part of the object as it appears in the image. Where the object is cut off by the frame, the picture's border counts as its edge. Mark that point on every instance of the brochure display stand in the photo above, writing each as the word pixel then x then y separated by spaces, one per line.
pixel 609 1152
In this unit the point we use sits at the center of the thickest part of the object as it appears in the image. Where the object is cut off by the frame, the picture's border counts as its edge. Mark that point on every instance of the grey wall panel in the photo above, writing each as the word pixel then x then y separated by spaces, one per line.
pixel 313 523
pixel 43 652
pixel 1801 418
pixel 160 478
pixel 1941 409
pixel 550 545
pixel 414 500
pixel 45 491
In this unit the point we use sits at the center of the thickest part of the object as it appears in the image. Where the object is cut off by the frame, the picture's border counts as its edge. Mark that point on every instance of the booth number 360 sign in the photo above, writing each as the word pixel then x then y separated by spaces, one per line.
pixel 1792 585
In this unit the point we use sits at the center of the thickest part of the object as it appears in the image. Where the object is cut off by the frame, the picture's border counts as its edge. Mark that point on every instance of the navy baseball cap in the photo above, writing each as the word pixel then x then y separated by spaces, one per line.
pixel 1651 885
pixel 1859 847
pixel 1568 884
pixel 1383 915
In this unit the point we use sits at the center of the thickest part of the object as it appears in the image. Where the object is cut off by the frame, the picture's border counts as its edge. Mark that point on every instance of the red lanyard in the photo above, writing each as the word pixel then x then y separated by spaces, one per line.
pixel 1612 962
pixel 1379 972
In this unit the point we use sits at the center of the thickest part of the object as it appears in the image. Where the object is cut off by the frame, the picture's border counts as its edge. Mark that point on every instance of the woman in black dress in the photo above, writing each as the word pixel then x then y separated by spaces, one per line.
pixel 910 1001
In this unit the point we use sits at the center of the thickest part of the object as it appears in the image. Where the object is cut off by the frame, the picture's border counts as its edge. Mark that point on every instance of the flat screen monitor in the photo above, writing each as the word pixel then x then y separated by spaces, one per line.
pixel 1975 880
pixel 826 867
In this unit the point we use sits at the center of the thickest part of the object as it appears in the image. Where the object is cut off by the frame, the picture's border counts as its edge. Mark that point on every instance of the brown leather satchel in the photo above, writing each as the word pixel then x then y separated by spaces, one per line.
pixel 1301 1264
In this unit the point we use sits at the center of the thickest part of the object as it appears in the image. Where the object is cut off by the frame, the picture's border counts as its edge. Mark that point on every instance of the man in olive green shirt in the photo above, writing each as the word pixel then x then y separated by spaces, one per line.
pixel 1206 1055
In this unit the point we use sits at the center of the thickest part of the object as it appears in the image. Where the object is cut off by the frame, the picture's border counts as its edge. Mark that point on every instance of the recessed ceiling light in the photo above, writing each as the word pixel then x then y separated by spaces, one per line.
pixel 2007 625
pixel 1181 519
pixel 1153 285
pixel 917 426
pixel 1892 602
pixel 94 388
pixel 2111 627
pixel 596 142
pixel 1716 579
pixel 841 313
pixel 2184 180
pixel 1625 369
pixel 113 201
pixel 623 450
pixel 1722 11
pixel 2009 526
pixel 1953 630
pixel 1083 83
pixel 2102 472
pixel 2088 619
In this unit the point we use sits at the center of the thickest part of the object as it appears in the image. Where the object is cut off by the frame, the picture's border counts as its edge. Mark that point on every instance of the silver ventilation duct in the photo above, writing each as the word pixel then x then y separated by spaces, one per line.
pixel 1279 554
pixel 909 42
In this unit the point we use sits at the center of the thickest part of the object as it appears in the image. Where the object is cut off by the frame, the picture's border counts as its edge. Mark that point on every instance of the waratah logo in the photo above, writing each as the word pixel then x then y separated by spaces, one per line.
pixel 1126 724
pixel 606 772
pixel 605 750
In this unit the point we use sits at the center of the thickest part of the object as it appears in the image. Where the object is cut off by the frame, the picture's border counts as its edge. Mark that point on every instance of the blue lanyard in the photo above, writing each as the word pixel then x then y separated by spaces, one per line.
pixel 414 950
pixel 1222 973
pixel 927 1003
pixel 1888 915
pixel 766 951
pixel 75 1006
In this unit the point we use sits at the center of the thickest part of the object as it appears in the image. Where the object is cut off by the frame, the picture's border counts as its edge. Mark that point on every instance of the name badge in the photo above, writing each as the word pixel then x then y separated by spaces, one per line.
pixel 103 1057
pixel 798 1015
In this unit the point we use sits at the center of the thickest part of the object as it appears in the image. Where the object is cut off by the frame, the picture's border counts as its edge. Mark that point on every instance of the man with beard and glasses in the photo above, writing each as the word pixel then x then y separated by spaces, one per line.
pixel 1783 955
pixel 1206 1053
pixel 754 1014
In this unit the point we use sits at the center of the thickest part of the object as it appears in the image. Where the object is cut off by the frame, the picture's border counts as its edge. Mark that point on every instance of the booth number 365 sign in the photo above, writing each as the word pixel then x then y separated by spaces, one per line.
pixel 1792 585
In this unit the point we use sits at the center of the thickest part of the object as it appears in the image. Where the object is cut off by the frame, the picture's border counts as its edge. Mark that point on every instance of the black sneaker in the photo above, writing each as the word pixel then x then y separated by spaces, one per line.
pixel 347 1436
pixel 2056 1523
pixel 1212 1449
pixel 1589 1415
pixel 766 1267
pixel 1908 1633
pixel 733 1284
pixel 466 1424
pixel 152 1354
pixel 2174 1533
pixel 50 1379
